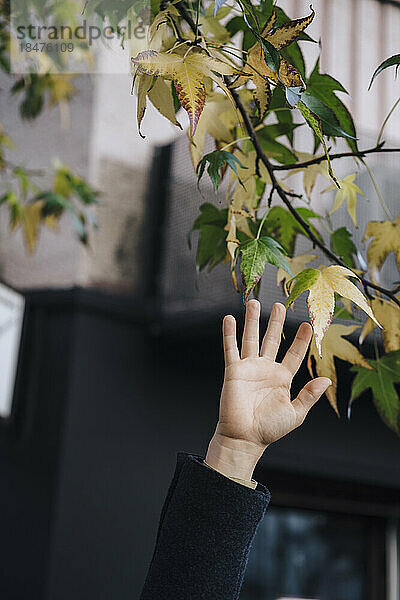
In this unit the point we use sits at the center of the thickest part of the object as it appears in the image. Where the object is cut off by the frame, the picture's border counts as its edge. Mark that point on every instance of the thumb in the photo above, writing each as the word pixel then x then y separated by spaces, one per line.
pixel 309 395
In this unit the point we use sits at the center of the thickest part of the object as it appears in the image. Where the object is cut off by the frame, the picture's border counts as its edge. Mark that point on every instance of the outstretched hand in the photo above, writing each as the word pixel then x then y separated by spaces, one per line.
pixel 255 406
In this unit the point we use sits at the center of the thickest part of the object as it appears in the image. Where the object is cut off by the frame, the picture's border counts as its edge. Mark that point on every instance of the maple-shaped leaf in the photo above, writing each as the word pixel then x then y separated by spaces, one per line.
pixel 160 95
pixel 310 173
pixel 287 74
pixel 297 264
pixel 348 192
pixel 281 224
pixel 385 239
pixel 334 344
pixel 388 315
pixel 343 246
pixel 322 286
pixel 381 378
pixel 216 160
pixel 187 72
pixel 219 120
pixel 323 87
pixel 255 254
pixel 211 248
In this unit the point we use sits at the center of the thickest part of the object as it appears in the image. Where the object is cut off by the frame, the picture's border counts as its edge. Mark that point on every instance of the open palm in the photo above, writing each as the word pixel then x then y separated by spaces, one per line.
pixel 256 407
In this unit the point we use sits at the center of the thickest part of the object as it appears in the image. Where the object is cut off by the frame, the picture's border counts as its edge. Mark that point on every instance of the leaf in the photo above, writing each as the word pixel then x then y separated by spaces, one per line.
pixel 348 191
pixel 273 148
pixel 322 286
pixel 388 315
pixel 282 225
pixel 61 88
pixel 385 239
pixel 329 122
pixel 216 160
pixel 187 73
pixel 218 119
pixel 315 124
pixel 389 62
pixel 334 344
pixel 323 87
pixel 310 173
pixel 265 64
pixel 211 247
pixel 286 33
pixel 296 264
pixel 255 254
pixel 343 245
pixel 380 378
pixel 31 217
pixel 160 95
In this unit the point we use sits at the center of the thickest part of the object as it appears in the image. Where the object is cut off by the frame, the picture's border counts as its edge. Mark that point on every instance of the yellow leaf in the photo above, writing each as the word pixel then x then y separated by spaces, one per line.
pixel 310 173
pixel 188 72
pixel 61 88
pixel 217 119
pixel 232 243
pixel 144 84
pixel 321 299
pixel 348 191
pixel 160 96
pixel 333 345
pixel 388 315
pixel 288 75
pixel 386 239
pixel 285 34
pixel 32 215
pixel 296 264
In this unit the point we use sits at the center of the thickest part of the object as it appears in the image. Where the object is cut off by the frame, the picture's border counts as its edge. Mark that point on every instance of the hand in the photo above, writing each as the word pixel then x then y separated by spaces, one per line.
pixel 255 405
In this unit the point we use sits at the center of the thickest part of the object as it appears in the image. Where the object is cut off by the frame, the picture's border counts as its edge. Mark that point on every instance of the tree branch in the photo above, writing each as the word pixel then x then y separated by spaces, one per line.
pixel 283 196
pixel 278 188
pixel 319 159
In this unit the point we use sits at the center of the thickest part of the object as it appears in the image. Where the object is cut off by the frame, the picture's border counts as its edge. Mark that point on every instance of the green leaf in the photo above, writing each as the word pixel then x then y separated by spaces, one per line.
pixel 380 379
pixel 305 279
pixel 281 224
pixel 284 117
pixel 216 160
pixel 343 246
pixel 274 149
pixel 315 123
pixel 271 54
pixel 211 248
pixel 323 87
pixel 389 62
pixel 255 254
pixel 329 122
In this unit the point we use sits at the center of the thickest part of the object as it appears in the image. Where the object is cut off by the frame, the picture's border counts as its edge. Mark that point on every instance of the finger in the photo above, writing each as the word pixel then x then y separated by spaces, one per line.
pixel 297 351
pixel 250 343
pixel 272 338
pixel 231 352
pixel 309 395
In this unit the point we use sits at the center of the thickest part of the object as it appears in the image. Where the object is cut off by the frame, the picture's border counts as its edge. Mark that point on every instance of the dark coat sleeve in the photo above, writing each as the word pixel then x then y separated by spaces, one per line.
pixel 207 525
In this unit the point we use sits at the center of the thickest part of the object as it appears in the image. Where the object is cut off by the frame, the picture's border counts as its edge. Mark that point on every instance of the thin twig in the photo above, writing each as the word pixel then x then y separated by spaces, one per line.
pixel 319 159
pixel 278 188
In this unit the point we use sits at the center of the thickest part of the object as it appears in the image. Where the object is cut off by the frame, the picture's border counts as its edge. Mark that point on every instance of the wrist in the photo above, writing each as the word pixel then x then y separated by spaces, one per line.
pixel 232 457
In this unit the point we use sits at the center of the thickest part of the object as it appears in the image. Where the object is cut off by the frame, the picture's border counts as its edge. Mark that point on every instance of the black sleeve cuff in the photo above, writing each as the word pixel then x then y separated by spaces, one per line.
pixel 207 525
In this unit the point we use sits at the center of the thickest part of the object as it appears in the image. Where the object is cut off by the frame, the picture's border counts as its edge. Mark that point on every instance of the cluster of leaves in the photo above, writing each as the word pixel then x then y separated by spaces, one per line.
pixel 242 80
pixel 30 207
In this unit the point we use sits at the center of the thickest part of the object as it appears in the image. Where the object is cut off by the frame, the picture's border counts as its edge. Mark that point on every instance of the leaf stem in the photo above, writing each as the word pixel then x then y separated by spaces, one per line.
pixel 234 142
pixel 378 191
pixel 386 120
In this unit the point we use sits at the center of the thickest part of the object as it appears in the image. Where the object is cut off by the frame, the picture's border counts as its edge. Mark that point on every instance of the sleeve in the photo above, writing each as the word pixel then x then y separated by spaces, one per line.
pixel 207 525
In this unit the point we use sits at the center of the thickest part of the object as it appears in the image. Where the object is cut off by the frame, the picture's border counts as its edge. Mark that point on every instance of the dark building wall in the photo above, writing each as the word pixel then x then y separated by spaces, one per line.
pixel 116 396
